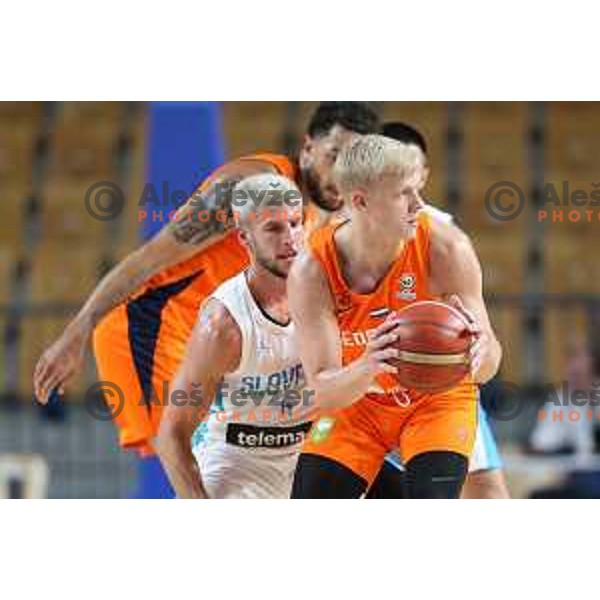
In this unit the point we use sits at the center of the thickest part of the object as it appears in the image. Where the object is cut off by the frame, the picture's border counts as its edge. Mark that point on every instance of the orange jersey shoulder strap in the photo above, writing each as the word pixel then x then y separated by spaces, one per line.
pixel 284 165
pixel 322 246
pixel 321 243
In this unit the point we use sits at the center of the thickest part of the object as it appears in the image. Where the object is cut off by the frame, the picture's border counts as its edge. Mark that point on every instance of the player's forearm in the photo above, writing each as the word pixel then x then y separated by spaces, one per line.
pixel 490 363
pixel 202 221
pixel 180 465
pixel 337 388
pixel 123 280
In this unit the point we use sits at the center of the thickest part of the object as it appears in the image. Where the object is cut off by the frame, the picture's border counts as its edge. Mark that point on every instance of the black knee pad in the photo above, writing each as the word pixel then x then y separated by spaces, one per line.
pixel 320 477
pixel 389 484
pixel 436 475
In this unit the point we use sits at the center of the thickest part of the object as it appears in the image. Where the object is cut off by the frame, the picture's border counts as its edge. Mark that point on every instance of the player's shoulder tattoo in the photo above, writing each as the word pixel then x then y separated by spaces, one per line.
pixel 206 214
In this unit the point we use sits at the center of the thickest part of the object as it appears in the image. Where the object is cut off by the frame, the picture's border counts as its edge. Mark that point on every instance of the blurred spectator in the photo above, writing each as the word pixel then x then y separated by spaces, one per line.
pixel 562 427
pixel 562 432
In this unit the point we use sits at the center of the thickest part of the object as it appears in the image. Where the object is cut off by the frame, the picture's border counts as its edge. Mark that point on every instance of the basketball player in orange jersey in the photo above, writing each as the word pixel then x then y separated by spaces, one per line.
pixel 142 312
pixel 387 254
pixel 485 479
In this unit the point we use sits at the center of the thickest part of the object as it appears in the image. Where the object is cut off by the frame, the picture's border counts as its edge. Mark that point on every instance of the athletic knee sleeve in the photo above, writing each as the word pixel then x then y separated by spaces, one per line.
pixel 320 477
pixel 436 475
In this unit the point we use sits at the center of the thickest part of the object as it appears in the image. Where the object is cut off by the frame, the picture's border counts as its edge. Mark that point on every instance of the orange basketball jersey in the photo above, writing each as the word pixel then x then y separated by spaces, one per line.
pixel 225 258
pixel 387 417
pixel 406 281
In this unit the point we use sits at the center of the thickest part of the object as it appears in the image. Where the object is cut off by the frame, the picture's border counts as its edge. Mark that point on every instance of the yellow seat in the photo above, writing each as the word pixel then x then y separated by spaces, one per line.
pixel 494 115
pixel 91 111
pixel 502 257
pixel 507 324
pixel 564 219
pixel 83 153
pixel 21 113
pixel 13 214
pixel 475 215
pixel 565 188
pixel 573 143
pixel 8 258
pixel 65 217
pixel 430 119
pixel 562 327
pixel 573 115
pixel 64 274
pixel 16 153
pixel 494 150
pixel 253 127
pixel 88 124
pixel 573 151
pixel 571 263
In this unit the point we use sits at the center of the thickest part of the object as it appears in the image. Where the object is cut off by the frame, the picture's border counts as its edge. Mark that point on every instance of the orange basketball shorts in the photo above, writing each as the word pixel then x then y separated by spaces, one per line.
pixel 360 435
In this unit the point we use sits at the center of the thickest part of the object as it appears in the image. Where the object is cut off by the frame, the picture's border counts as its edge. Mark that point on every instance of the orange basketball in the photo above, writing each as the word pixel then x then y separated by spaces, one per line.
pixel 434 346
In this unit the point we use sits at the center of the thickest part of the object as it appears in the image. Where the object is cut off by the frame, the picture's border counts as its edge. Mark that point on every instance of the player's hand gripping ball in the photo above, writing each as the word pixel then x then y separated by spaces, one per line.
pixel 434 346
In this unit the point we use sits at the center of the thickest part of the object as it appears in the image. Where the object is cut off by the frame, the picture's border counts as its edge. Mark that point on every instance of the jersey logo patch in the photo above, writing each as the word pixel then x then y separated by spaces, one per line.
pixel 343 302
pixel 322 429
pixel 262 347
pixel 407 283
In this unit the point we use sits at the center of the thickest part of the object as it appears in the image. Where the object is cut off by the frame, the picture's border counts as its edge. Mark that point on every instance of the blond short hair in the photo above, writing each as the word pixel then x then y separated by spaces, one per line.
pixel 369 157
pixel 255 192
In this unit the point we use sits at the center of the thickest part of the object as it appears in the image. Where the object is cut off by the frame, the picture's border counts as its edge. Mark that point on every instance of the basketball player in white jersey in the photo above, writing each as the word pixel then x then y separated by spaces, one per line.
pixel 243 360
pixel 243 365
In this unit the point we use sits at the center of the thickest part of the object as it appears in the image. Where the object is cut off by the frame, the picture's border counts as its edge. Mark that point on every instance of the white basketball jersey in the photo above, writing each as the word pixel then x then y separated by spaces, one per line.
pixel 436 214
pixel 263 405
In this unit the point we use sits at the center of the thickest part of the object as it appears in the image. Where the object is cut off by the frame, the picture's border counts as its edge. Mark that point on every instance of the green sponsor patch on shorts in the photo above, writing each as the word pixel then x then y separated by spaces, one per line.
pixel 321 429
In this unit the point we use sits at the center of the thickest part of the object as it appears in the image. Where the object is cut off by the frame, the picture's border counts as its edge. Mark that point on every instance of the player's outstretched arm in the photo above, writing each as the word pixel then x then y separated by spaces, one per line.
pixel 313 312
pixel 456 273
pixel 174 244
pixel 214 349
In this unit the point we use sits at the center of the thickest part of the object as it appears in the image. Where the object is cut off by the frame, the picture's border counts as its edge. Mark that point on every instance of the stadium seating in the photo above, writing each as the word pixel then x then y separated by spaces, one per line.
pixel 17 147
pixel 83 153
pixel 494 149
pixel 21 114
pixel 70 245
pixel 573 146
pixel 253 127
pixel 8 257
pixel 431 119
pixel 64 217
pixel 492 146
pixel 13 199
pixel 63 273
pixel 507 324
pixel 572 156
pixel 570 264
pixel 129 222
pixel 53 152
pixel 563 325
pixel 502 256
pixel 92 114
